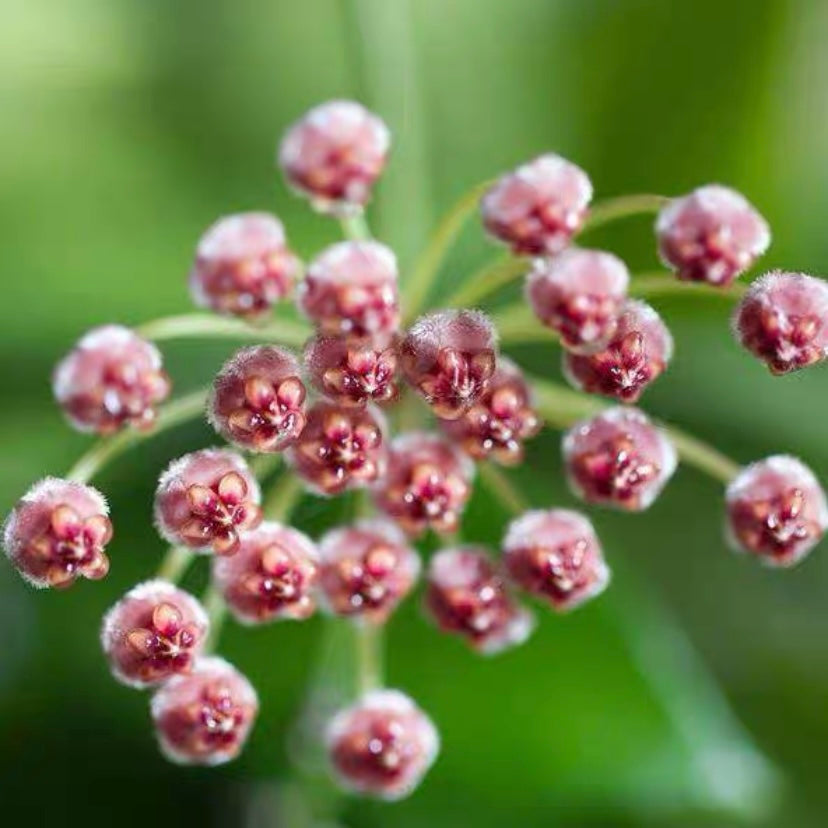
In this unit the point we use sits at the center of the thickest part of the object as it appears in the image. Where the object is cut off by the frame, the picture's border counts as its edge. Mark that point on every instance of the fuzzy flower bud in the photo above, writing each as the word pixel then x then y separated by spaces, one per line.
pixel 351 290
pixel 783 320
pixel 637 354
pixel 58 532
pixel 556 555
pixel 776 510
pixel 243 265
pixel 204 500
pixel 334 154
pixel 427 484
pixel 537 208
pixel 466 595
pixel 711 235
pixel 155 631
pixel 497 425
pixel 579 294
pixel 367 569
pixel 340 448
pixel 351 374
pixel 382 745
pixel 204 718
pixel 449 357
pixel 111 378
pixel 272 576
pixel 618 458
pixel 258 399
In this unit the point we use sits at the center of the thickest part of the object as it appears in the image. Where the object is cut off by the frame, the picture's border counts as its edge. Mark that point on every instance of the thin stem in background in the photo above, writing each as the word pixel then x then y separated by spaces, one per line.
pixel 612 209
pixel 216 609
pixel 489 279
pixel 283 497
pixel 354 226
pixel 210 326
pixel 369 646
pixel 174 564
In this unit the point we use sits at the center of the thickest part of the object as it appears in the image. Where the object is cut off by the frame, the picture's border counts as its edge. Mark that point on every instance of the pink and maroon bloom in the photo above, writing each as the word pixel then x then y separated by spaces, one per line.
pixel 619 459
pixel 636 355
pixel 711 235
pixel 467 595
pixel 449 357
pixel 579 294
pixel 382 745
pixel 58 532
pixel 783 320
pixel 206 500
pixel 556 555
pixel 537 208
pixel 110 379
pixel 351 290
pixel 776 510
pixel 204 717
pixel 497 425
pixel 334 154
pixel 155 631
pixel 340 448
pixel 272 576
pixel 243 265
pixel 352 374
pixel 258 399
pixel 366 570
pixel 427 484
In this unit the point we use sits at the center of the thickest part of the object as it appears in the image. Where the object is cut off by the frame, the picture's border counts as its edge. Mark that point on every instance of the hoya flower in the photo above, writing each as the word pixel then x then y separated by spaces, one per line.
pixel 243 265
pixel 155 631
pixel 449 357
pixel 111 378
pixel 618 458
pixel 206 499
pixel 382 745
pixel 58 532
pixel 272 576
pixel 537 208
pixel 776 510
pixel 258 400
pixel 367 569
pixel 204 717
pixel 334 154
pixel 711 235
pixel 556 555
pixel 783 320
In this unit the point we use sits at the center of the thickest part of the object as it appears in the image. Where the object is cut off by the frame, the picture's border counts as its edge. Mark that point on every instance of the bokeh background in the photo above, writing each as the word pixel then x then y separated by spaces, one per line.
pixel 692 694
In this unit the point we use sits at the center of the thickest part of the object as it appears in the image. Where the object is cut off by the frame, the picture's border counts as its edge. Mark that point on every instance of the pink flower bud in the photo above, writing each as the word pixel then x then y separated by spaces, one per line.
pixel 382 746
pixel 58 532
pixel 637 354
pixel 556 555
pixel 204 500
pixel 351 290
pixel 340 448
pixel 496 426
pixel 334 154
pixel 711 235
pixel 258 399
pixel 537 208
pixel 579 294
pixel 272 576
pixel 449 357
pixel 155 631
pixel 618 458
pixel 467 595
pixel 111 378
pixel 783 320
pixel 243 265
pixel 367 569
pixel 427 484
pixel 351 374
pixel 204 718
pixel 777 510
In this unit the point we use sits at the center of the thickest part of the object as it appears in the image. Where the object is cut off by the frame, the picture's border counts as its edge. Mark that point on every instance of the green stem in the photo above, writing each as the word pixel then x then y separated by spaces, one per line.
pixel 105 450
pixel 489 279
pixel 174 564
pixel 216 609
pixel 210 326
pixel 649 285
pixel 283 497
pixel 354 226
pixel 369 657
pixel 500 486
pixel 612 209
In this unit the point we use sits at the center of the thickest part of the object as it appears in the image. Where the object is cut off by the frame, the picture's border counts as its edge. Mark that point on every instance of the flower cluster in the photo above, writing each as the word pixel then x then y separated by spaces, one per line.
pixel 331 413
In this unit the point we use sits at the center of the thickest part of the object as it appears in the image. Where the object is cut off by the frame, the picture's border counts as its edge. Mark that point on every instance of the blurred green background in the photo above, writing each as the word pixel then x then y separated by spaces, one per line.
pixel 692 694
